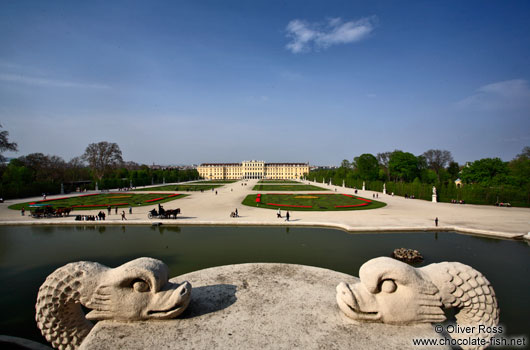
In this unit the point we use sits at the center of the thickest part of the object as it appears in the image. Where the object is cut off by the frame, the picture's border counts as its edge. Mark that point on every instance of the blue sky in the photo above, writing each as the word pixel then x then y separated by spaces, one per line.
pixel 205 81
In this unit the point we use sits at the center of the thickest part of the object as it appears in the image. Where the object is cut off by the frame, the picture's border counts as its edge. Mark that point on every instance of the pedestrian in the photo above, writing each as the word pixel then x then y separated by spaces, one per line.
pixel 123 215
pixel 108 209
pixel 373 195
pixel 287 216
pixel 237 213
pixel 436 221
pixel 44 196
pixel 22 211
pixel 216 193
pixel 130 209
pixel 279 213
pixel 377 195
pixel 116 210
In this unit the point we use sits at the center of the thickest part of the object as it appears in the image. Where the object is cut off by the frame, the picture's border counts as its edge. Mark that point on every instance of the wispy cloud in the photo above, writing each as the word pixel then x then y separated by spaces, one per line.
pixel 305 36
pixel 508 94
pixel 36 81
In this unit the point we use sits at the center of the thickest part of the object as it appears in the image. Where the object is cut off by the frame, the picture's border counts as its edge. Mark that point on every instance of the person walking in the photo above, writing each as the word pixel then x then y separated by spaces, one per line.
pixel 116 210
pixel 287 216
pixel 123 215
pixel 436 222
pixel 108 210
pixel 22 211
pixel 279 213
pixel 130 209
pixel 237 213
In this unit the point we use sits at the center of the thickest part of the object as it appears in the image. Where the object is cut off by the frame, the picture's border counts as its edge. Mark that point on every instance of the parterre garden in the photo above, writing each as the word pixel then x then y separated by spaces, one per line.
pixel 278 181
pixel 99 201
pixel 311 201
pixel 290 187
pixel 181 188
pixel 214 181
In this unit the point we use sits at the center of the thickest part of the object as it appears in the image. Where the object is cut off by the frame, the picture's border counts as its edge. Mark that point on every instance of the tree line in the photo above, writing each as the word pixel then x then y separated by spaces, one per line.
pixel 484 181
pixel 101 163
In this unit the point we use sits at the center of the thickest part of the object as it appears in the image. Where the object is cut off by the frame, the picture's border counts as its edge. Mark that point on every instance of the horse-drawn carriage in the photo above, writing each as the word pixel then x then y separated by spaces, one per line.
pixel 163 214
pixel 47 211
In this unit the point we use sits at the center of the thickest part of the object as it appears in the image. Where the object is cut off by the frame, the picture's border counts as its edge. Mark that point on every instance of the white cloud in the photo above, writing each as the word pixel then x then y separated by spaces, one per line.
pixel 35 81
pixel 306 36
pixel 508 94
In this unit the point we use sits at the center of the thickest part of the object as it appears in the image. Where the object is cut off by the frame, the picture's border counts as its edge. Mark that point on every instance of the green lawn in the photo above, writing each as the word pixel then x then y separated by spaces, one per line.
pixel 278 181
pixel 181 188
pixel 215 181
pixel 312 202
pixel 103 200
pixel 293 187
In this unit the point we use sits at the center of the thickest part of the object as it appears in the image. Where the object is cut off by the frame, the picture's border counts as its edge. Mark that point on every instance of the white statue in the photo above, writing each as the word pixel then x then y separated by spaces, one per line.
pixel 384 188
pixel 434 191
pixel 137 290
pixel 390 291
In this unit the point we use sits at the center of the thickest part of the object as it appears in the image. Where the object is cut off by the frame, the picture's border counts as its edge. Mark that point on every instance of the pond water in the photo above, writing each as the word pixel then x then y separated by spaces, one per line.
pixel 29 253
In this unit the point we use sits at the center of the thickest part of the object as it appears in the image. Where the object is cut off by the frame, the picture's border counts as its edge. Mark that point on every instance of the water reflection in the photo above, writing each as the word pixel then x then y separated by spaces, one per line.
pixel 29 253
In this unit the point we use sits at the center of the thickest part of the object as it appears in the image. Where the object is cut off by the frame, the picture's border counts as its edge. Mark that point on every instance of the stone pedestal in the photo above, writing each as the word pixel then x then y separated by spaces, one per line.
pixel 434 198
pixel 364 186
pixel 259 306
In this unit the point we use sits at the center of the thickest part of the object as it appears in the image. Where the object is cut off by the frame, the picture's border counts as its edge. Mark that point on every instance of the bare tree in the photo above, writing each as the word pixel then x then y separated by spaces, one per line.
pixel 102 156
pixel 437 159
pixel 5 145
pixel 45 167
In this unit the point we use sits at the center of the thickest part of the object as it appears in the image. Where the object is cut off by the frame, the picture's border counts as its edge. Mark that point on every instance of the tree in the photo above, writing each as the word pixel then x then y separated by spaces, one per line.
pixel 45 167
pixel 383 159
pixel 453 169
pixel 366 166
pixel 525 153
pixel 437 159
pixel 345 164
pixel 5 145
pixel 403 166
pixel 486 171
pixel 102 157
pixel 520 167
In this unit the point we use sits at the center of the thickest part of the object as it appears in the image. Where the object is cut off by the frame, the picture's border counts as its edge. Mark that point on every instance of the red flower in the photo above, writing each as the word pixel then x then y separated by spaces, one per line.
pixel 350 206
pixel 289 205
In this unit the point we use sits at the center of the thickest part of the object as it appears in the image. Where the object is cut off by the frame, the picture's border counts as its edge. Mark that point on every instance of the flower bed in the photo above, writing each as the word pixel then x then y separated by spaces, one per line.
pixel 98 205
pixel 290 205
pixel 160 198
pixel 351 206
pixel 311 201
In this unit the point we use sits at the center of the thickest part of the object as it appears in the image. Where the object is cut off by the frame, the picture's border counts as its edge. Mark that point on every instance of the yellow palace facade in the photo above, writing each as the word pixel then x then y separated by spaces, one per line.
pixel 252 169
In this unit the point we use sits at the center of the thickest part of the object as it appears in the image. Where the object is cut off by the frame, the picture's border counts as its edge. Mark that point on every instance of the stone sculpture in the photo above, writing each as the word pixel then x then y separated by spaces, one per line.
pixel 390 291
pixel 137 290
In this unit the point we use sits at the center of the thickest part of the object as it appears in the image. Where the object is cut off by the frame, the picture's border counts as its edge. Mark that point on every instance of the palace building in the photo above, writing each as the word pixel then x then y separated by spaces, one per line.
pixel 252 169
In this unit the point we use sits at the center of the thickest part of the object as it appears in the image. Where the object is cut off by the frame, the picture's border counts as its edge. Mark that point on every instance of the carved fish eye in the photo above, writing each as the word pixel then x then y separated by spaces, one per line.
pixel 388 286
pixel 140 285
